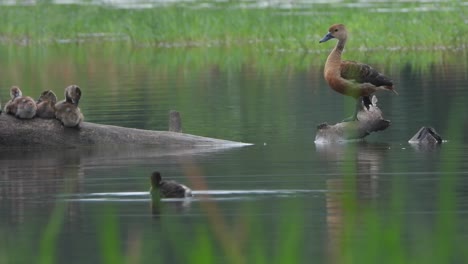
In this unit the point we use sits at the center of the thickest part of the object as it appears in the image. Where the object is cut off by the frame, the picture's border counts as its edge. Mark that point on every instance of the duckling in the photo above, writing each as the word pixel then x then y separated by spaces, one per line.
pixel 26 107
pixel 352 78
pixel 167 189
pixel 67 111
pixel 11 105
pixel 46 104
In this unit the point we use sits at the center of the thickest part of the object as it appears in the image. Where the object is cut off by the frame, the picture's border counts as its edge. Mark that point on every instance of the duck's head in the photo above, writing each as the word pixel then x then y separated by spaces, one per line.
pixel 48 96
pixel 15 92
pixel 73 94
pixel 337 31
pixel 155 179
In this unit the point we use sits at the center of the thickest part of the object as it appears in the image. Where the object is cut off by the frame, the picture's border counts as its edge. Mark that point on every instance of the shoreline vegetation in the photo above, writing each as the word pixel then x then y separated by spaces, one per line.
pixel 386 26
pixel 390 34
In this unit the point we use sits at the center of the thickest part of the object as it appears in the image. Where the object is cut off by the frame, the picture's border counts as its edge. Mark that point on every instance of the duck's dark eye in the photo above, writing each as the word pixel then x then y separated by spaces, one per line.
pixel 336 30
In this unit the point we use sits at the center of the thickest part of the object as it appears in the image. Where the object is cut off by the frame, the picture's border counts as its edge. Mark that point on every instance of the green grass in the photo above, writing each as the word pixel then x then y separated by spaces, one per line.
pixel 228 25
pixel 47 247
pixel 109 236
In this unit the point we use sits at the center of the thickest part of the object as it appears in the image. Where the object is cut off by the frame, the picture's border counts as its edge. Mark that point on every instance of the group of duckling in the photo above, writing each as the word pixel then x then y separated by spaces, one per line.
pixel 66 111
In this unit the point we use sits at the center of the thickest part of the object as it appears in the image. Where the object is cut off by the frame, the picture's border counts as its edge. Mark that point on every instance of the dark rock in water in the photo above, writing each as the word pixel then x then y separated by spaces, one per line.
pixel 426 135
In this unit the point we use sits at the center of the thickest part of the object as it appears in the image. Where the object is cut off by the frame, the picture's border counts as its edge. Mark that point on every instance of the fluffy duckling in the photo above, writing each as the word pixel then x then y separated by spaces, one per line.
pixel 67 111
pixel 11 105
pixel 351 78
pixel 26 107
pixel 167 189
pixel 20 106
pixel 46 104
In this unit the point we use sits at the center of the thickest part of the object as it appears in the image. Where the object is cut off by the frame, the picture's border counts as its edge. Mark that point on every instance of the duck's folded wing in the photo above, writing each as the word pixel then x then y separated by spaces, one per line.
pixel 363 73
pixel 171 189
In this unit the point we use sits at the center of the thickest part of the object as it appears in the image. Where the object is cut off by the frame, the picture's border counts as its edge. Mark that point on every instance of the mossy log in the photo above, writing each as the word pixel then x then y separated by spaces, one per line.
pixel 39 132
pixel 369 120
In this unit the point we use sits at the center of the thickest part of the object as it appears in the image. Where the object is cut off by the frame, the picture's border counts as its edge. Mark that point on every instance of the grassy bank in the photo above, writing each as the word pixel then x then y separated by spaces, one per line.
pixel 401 26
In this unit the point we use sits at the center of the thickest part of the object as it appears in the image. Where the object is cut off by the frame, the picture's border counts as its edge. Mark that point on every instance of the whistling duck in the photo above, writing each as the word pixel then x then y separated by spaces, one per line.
pixel 67 111
pixel 11 105
pixel 167 189
pixel 46 104
pixel 351 78
pixel 26 107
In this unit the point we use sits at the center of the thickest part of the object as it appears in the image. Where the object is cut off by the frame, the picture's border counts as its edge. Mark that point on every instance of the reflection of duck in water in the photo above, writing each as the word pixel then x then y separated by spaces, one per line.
pixel 46 104
pixel 11 105
pixel 67 111
pixel 352 78
pixel 167 189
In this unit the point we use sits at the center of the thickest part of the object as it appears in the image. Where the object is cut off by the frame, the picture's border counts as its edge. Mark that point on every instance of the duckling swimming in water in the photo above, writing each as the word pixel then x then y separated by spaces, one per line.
pixel 26 107
pixel 167 189
pixel 11 105
pixel 67 111
pixel 352 78
pixel 46 104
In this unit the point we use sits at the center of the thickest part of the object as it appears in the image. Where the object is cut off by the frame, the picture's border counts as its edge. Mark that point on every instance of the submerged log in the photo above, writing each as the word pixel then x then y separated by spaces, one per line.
pixel 369 120
pixel 426 135
pixel 39 132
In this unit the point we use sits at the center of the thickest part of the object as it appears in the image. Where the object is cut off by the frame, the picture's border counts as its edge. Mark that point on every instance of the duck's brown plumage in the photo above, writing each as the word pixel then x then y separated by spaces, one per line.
pixel 67 111
pixel 349 77
pixel 26 107
pixel 363 73
pixel 46 104
pixel 12 104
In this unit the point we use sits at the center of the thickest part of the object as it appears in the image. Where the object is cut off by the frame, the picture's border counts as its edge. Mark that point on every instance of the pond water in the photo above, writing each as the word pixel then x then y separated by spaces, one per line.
pixel 278 200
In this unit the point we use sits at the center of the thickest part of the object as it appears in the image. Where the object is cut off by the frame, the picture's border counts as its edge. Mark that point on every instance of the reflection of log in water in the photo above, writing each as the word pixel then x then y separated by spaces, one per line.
pixel 367 158
pixel 29 178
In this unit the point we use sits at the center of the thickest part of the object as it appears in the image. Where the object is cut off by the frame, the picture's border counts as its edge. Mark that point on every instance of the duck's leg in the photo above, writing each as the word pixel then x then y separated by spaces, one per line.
pixel 363 99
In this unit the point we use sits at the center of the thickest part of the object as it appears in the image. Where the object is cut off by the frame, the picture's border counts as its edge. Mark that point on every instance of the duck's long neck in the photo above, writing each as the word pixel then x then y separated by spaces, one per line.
pixel 333 64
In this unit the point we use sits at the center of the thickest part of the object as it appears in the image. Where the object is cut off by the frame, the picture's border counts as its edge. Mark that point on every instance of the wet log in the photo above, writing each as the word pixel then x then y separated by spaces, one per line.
pixel 39 132
pixel 369 120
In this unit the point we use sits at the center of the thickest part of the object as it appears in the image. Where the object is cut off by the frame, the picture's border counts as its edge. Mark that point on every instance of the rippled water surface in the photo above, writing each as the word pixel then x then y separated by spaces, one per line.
pixel 284 192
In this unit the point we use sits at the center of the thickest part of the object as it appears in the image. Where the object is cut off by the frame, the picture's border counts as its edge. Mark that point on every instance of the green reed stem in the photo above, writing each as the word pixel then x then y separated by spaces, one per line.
pixel 109 236
pixel 47 251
